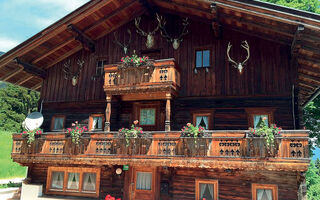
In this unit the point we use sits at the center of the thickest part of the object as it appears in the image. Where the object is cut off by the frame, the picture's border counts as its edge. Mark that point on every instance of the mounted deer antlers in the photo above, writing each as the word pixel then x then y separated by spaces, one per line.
pixel 239 65
pixel 124 46
pixel 175 41
pixel 73 76
pixel 149 35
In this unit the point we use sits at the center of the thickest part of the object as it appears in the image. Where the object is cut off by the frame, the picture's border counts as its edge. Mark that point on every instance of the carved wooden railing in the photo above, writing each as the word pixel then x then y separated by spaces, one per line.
pixel 228 144
pixel 163 75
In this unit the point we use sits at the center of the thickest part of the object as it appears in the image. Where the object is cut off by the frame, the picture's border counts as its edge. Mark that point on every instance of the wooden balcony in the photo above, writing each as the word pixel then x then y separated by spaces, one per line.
pixel 157 81
pixel 220 149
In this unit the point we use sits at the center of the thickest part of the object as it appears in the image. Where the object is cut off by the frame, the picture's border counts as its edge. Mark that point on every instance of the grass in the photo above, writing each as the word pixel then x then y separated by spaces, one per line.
pixel 9 169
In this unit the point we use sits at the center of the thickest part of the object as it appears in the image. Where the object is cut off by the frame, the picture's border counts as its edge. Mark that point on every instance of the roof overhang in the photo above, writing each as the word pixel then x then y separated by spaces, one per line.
pixel 95 19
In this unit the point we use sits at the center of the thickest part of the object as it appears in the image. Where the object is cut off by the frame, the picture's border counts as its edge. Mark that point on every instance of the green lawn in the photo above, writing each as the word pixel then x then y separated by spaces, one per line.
pixel 8 168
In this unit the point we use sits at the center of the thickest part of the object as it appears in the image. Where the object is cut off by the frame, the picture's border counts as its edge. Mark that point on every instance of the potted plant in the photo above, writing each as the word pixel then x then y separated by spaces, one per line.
pixel 192 137
pixel 135 138
pixel 75 133
pixel 109 197
pixel 135 61
pixel 262 140
pixel 31 135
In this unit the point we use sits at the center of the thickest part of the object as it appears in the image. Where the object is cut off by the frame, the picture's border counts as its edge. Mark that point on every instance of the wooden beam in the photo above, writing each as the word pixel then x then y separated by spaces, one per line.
pixel 11 74
pixel 216 26
pixel 37 86
pixel 108 16
pixel 85 40
pixel 23 80
pixel 63 44
pixel 69 53
pixel 296 40
pixel 310 79
pixel 31 69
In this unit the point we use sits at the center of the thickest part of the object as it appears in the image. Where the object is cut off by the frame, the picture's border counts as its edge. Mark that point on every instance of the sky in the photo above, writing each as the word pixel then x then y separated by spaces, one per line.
pixel 21 19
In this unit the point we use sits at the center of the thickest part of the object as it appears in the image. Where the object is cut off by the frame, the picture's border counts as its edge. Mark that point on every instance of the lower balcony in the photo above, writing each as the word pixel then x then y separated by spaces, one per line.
pixel 220 149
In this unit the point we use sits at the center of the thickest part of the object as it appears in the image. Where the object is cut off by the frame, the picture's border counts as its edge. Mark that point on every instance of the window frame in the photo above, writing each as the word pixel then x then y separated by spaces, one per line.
pixel 155 116
pixel 273 187
pixel 204 48
pixel 251 112
pixel 137 106
pixel 53 120
pixel 91 122
pixel 215 184
pixel 209 113
pixel 104 62
pixel 66 191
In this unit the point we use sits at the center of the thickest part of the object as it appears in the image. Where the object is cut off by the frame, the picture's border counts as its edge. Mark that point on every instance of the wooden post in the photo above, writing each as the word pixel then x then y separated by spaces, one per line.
pixel 108 114
pixel 168 112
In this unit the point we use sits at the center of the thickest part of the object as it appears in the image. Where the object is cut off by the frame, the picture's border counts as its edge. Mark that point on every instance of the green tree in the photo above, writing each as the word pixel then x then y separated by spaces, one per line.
pixel 313 180
pixel 15 104
pixel 307 5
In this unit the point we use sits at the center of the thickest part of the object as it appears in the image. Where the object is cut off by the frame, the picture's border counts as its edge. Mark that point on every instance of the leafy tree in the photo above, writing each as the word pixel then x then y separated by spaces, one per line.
pixel 313 180
pixel 307 5
pixel 15 104
pixel 312 119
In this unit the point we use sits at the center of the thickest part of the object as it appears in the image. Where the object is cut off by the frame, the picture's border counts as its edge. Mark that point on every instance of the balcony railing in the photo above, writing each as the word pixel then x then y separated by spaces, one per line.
pixel 162 76
pixel 228 144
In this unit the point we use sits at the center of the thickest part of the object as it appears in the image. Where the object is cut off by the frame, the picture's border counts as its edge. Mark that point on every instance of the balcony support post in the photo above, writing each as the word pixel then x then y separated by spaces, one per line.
pixel 108 114
pixel 168 112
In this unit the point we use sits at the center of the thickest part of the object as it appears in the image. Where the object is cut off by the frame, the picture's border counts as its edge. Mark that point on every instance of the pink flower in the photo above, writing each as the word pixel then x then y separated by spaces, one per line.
pixel 135 122
pixel 188 124
pixel 20 133
pixel 73 124
pixel 24 132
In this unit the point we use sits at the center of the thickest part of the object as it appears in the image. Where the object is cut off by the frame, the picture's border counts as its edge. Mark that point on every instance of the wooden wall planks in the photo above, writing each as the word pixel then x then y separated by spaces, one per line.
pixel 267 72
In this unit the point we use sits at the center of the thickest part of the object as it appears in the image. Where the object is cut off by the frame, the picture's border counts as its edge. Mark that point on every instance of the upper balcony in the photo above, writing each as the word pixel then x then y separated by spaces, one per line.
pixel 219 149
pixel 158 81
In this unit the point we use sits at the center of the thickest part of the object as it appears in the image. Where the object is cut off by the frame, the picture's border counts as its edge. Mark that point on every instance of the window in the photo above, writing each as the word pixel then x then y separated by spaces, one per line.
pixel 74 181
pixel 57 123
pixel 100 67
pixel 96 122
pixel 206 189
pixel 203 119
pixel 203 58
pixel 147 116
pixel 144 180
pixel 264 192
pixel 257 115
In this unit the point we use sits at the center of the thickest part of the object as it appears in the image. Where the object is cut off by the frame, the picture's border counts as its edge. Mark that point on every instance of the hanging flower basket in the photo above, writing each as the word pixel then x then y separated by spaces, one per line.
pixel 262 141
pixel 133 141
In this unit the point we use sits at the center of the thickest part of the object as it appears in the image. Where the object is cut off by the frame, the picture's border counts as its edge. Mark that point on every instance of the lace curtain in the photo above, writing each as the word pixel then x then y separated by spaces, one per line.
pixel 73 181
pixel 263 194
pixel 89 181
pixel 202 121
pixel 206 191
pixel 57 180
pixel 144 180
pixel 58 123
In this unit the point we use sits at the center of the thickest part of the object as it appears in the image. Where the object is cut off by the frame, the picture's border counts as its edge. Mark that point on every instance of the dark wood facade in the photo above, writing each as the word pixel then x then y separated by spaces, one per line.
pixel 276 81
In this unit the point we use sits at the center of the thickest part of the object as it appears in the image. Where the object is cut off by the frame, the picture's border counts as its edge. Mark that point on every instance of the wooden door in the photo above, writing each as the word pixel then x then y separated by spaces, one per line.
pixel 145 184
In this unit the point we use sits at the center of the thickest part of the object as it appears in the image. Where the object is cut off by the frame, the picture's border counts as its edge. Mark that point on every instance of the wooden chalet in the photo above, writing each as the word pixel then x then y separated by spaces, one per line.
pixel 75 65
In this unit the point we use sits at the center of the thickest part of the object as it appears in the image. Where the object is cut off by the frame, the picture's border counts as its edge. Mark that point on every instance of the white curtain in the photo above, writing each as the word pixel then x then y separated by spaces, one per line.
pixel 58 123
pixel 89 181
pixel 205 120
pixel 258 118
pixel 206 191
pixel 73 181
pixel 57 180
pixel 96 123
pixel 144 180
pixel 263 194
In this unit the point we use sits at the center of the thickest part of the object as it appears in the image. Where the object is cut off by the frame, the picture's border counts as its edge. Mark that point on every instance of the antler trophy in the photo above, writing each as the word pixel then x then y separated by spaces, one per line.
pixel 175 41
pixel 69 75
pixel 149 35
pixel 124 46
pixel 239 65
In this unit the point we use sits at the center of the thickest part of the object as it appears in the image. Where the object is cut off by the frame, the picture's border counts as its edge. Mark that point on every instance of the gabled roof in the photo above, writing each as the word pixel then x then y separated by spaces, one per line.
pixel 295 28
